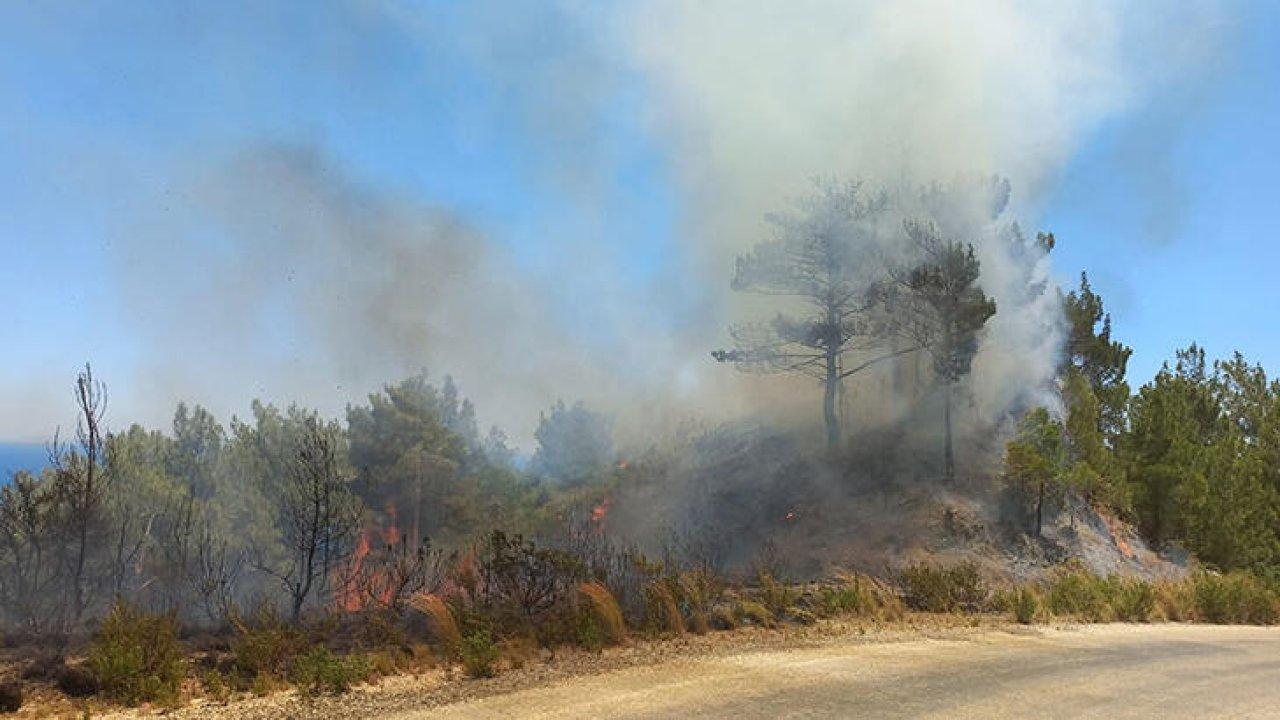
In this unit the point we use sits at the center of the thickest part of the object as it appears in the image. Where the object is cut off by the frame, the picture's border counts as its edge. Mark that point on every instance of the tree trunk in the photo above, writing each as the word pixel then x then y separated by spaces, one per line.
pixel 948 455
pixel 829 401
pixel 1040 509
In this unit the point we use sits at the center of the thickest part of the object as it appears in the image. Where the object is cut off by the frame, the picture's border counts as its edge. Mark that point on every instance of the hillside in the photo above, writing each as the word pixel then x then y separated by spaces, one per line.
pixel 747 495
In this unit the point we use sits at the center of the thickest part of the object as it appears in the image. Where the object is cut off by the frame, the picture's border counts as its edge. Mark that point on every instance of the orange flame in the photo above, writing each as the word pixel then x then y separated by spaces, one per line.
pixel 353 592
pixel 599 512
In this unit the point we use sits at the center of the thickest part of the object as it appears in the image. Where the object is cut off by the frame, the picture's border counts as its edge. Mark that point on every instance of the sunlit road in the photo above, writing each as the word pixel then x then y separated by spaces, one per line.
pixel 1113 671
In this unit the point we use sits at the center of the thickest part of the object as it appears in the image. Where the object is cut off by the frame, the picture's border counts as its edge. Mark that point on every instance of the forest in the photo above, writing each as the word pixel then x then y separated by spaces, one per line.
pixel 405 509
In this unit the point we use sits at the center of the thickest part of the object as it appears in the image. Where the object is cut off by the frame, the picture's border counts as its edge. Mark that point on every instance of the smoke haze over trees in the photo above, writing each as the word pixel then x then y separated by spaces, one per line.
pixel 267 302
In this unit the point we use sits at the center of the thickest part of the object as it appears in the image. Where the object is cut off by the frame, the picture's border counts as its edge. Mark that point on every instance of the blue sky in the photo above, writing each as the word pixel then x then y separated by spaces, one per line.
pixel 1173 211
pixel 103 106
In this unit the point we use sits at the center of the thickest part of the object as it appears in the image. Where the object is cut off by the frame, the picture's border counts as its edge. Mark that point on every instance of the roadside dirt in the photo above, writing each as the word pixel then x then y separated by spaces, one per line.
pixel 437 688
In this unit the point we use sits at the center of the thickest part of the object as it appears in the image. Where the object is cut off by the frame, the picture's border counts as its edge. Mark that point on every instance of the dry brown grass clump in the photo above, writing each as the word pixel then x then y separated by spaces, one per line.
pixel 662 610
pixel 604 611
pixel 871 597
pixel 440 620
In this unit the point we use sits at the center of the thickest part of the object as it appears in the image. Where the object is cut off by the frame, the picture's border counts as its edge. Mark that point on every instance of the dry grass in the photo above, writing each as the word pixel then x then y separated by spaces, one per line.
pixel 662 610
pixel 604 611
pixel 440 621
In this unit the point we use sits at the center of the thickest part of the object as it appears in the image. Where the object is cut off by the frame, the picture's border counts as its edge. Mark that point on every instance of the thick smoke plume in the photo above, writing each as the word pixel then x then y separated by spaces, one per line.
pixel 269 271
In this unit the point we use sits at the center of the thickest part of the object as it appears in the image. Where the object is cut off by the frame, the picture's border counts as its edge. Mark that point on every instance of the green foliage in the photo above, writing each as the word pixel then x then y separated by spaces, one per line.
pixel 479 654
pixel 588 633
pixel 265 645
pixel 1080 594
pixel 1036 461
pixel 841 600
pixel 1025 605
pixel 1132 600
pixel 942 589
pixel 1203 458
pixel 319 671
pixel 1102 361
pixel 136 657
pixel 1092 471
pixel 574 444
pixel 1236 598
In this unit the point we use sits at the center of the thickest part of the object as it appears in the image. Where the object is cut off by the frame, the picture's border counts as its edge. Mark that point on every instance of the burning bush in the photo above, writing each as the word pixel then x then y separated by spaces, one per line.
pixel 384 572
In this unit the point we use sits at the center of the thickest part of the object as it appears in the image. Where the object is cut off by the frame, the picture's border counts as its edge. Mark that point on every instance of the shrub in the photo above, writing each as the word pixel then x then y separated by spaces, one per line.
pixel 661 611
pixel 1025 605
pixel 749 611
pixel 857 594
pixel 215 685
pixel 1080 594
pixel 699 590
pixel 265 645
pixel 604 612
pixel 319 671
pixel 1235 598
pixel 479 654
pixel 937 589
pixel 136 657
pixel 723 617
pixel 841 600
pixel 77 682
pixel 10 697
pixel 385 663
pixel 530 581
pixel 440 621
pixel 381 628
pixel 1132 600
pixel 776 596
pixel 698 622
pixel 588 634
pixel 1175 600
pixel 879 598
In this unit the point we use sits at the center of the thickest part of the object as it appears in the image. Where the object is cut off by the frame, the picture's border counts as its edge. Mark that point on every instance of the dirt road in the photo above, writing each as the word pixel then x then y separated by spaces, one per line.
pixel 1112 671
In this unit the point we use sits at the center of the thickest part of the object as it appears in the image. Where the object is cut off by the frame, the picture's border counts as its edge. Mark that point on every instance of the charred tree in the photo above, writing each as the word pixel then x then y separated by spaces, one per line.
pixel 943 310
pixel 319 517
pixel 81 489
pixel 821 259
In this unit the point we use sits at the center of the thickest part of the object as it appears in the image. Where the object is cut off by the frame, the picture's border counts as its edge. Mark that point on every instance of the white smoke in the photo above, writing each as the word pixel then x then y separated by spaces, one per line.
pixel 267 271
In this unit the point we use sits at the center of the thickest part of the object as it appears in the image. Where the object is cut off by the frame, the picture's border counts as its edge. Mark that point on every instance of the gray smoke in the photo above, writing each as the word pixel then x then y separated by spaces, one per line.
pixel 267 270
